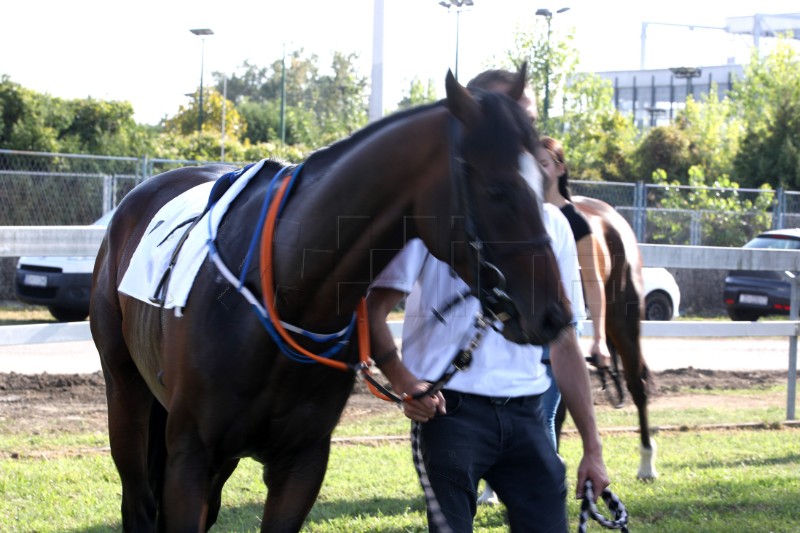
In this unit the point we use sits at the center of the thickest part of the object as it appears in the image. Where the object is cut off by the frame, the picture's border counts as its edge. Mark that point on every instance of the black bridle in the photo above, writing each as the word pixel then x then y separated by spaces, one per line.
pixel 488 282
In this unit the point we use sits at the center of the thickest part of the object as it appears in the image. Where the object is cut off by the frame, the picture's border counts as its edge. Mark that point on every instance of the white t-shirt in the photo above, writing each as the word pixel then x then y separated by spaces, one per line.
pixel 499 367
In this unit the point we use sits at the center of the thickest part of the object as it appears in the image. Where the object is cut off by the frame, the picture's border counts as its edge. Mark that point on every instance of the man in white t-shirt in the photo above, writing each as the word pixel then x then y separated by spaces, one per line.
pixel 486 423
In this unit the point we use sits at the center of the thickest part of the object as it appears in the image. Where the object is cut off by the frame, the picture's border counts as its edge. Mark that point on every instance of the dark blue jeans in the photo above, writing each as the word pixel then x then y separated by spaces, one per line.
pixel 503 441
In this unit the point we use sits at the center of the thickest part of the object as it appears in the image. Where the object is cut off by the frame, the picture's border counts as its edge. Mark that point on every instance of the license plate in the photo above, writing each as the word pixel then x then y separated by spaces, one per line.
pixel 753 299
pixel 35 280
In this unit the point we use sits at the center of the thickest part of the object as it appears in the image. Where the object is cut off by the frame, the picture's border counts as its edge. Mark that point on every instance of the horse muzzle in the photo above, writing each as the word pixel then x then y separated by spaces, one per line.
pixel 543 330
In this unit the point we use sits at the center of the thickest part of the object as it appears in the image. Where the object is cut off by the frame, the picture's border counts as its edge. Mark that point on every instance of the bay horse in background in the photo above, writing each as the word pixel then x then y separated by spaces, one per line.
pixel 190 395
pixel 621 264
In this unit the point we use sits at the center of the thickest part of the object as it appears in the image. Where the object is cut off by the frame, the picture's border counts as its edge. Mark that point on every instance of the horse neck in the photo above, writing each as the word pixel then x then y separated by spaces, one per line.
pixel 351 212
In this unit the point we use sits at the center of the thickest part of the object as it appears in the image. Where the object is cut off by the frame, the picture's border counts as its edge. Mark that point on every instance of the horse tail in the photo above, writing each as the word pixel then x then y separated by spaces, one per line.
pixel 157 452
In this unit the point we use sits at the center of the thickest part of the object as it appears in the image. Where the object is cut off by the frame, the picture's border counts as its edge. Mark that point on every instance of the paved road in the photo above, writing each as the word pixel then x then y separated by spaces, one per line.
pixel 661 354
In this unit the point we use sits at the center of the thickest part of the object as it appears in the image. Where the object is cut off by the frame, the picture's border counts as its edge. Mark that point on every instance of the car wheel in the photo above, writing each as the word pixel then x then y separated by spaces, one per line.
pixel 739 315
pixel 657 306
pixel 65 314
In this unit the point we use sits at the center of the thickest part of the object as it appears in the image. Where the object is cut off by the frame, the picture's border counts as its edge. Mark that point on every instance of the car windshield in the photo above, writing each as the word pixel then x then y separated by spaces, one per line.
pixel 775 242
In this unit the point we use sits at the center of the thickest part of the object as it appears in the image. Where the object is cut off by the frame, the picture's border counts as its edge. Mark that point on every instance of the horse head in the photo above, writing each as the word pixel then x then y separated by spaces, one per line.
pixel 497 239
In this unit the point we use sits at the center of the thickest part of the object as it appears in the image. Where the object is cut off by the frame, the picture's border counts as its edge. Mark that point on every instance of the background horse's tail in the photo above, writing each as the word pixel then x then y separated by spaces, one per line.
pixel 157 453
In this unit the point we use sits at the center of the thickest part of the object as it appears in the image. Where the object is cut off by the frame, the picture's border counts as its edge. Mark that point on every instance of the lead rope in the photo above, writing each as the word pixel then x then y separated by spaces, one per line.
pixel 589 509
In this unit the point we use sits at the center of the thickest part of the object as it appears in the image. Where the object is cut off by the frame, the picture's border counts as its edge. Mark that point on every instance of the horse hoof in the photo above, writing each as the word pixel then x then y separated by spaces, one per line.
pixel 647 465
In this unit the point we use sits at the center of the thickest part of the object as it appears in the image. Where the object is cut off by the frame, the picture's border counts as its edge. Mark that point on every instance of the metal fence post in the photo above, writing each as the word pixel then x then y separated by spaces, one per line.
pixel 779 208
pixel 145 161
pixel 108 193
pixel 640 210
pixel 695 230
pixel 791 393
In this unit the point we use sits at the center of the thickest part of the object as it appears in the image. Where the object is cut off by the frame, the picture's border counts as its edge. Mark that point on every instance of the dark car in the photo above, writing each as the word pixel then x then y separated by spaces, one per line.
pixel 751 294
pixel 62 284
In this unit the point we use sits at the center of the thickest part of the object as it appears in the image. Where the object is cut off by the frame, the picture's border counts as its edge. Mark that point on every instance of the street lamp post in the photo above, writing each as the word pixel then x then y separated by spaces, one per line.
pixel 283 95
pixel 459 5
pixel 687 73
pixel 202 33
pixel 548 15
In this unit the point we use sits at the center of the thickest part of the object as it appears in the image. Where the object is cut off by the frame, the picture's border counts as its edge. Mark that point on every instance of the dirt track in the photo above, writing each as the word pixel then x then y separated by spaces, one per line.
pixel 44 403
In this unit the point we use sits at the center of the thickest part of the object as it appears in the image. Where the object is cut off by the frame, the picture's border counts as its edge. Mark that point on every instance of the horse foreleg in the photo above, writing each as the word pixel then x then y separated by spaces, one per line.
pixel 188 477
pixel 215 496
pixel 293 482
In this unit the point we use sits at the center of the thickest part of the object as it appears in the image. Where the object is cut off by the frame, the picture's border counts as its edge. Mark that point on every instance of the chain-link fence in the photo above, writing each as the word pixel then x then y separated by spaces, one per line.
pixel 707 216
pixel 41 189
pixel 68 189
pixel 62 189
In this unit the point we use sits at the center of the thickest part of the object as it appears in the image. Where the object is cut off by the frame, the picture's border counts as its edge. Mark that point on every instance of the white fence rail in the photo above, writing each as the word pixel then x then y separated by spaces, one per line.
pixel 85 240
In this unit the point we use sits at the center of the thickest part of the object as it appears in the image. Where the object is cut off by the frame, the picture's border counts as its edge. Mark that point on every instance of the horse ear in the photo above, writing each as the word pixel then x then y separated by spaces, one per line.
pixel 515 92
pixel 460 102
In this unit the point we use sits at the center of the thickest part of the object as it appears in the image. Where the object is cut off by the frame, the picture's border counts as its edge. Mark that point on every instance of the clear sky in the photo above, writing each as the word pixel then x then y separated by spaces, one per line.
pixel 143 51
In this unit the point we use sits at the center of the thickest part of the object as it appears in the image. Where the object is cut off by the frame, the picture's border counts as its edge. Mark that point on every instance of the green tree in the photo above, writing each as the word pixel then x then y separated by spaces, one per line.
pixel 262 119
pixel 768 103
pixel 705 134
pixel 599 140
pixel 186 120
pixel 39 122
pixel 725 218
pixel 319 108
pixel 664 148
pixel 551 61
pixel 418 94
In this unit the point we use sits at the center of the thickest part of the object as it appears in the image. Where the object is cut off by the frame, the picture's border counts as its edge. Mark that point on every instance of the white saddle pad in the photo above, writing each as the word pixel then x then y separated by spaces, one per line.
pixel 154 252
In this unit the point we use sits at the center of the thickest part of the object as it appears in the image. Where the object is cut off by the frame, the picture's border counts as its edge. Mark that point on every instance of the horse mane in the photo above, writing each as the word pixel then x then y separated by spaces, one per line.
pixel 500 108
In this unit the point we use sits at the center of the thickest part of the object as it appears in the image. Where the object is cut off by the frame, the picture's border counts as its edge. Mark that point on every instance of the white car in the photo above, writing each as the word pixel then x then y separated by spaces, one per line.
pixel 662 295
pixel 62 284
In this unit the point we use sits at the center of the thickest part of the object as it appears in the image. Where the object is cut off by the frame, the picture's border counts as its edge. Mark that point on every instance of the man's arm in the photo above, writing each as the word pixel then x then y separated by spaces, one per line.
pixel 573 382
pixel 380 303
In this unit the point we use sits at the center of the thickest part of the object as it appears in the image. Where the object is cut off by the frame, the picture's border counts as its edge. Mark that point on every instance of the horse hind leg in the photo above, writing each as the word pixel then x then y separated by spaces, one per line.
pixel 626 340
pixel 638 384
pixel 129 410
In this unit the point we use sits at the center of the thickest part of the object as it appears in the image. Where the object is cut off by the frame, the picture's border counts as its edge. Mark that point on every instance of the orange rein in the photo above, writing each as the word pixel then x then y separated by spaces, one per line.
pixel 267 286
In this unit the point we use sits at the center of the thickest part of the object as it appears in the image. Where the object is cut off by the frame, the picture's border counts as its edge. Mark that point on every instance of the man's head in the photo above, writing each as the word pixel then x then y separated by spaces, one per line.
pixel 501 80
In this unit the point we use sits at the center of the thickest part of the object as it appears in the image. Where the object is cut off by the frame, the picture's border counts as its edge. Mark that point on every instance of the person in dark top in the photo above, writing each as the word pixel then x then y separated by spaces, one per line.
pixel 550 155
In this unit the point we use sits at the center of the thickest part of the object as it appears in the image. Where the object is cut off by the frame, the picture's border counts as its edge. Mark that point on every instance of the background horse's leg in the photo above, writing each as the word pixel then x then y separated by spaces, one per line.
pixel 623 329
pixel 293 482
pixel 215 496
pixel 561 415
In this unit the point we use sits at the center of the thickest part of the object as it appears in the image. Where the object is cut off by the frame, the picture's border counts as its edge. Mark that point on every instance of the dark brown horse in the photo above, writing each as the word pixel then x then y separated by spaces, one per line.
pixel 190 395
pixel 621 263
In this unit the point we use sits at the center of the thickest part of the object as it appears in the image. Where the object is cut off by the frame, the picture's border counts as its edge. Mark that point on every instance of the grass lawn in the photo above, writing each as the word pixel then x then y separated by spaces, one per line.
pixel 731 481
